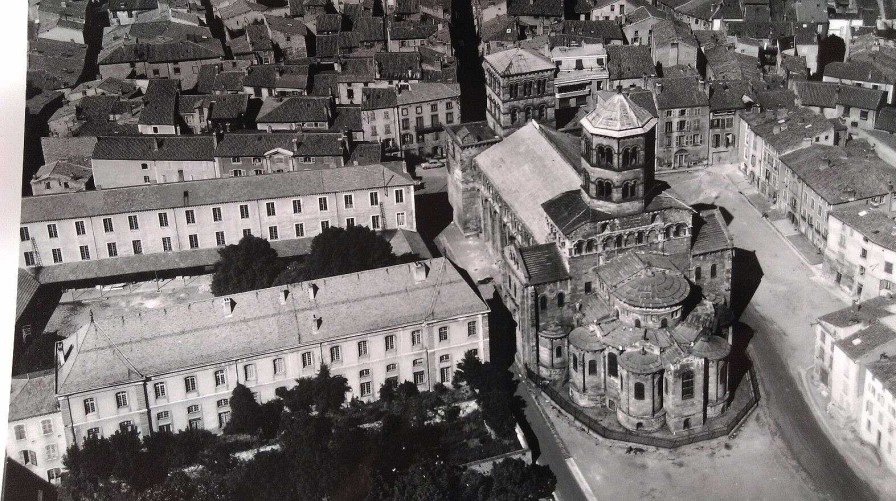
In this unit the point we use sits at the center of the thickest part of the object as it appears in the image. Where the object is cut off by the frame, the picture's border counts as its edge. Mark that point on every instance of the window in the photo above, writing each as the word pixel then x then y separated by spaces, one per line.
pixel 449 118
pixel 112 249
pixel 166 244
pixel 194 241
pixel 390 342
pixel 592 367
pixel 30 260
pixel 272 211
pixel 687 385
pixel 335 354
pixel 223 419
pixel 864 253
pixel 24 236
pixel 107 225
pixel 223 402
pixel 391 367
pixel 79 228
pixel 133 223
pixel 161 390
pixel 307 359
pixel 29 457
pixel 46 426
pixel 193 409
pixel 191 217
pixel 219 238
pixel 93 433
pixel 57 255
pixel 247 232
pixel 612 365
pixel 220 378
pixel 279 368
pixel 216 214
pixel 272 233
pixel 888 267
pixel 51 231
pixel 244 212
pixel 415 338
pixel 366 389
pixel 146 179
pixel 400 219
pixel 349 222
pixel 419 377
pixel 443 333
pixel 399 196
pixel 195 424
pixel 639 391
pixel 20 432
pixel 322 204
pixel 121 399
pixel 349 201
pixel 89 406
pixel 300 229
pixel 444 359
pixel 249 372
pixel 52 452
pixel 85 252
pixel 190 384
pixel 256 160
pixel 324 225
pixel 863 115
pixel 445 375
pixel 364 373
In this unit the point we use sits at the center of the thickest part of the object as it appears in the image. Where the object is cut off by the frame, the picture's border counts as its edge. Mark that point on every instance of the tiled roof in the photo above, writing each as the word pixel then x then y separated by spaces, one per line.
pixel 362 69
pixel 631 264
pixel 500 29
pixel 885 372
pixel 398 65
pixel 785 136
pixel 72 149
pixel 653 290
pixel 410 30
pixel 366 153
pixel 543 264
pixel 407 7
pixel 255 144
pixel 544 8
pixel 823 94
pixel 619 114
pixel 598 30
pixel 838 175
pixel 711 233
pixel 326 45
pixel 294 109
pixel 156 147
pixel 328 23
pixel 119 350
pixel 26 288
pixel 667 31
pixel 286 25
pixel 867 341
pixel 369 29
pixel 375 98
pixel 864 70
pixel 165 52
pixel 347 118
pixel 645 12
pixel 130 5
pixel 238 8
pixel 64 169
pixel 569 211
pixel 160 106
pixel 32 395
pixel 270 76
pixel 728 64
pixel 221 106
pixel 763 31
pixel 629 61
pixel 775 98
pixel 258 37
pixel 518 61
pixel 320 144
pixel 527 170
pixel 644 99
pixel 886 119
pixel 209 191
pixel 866 312
pixel 325 83
pixel 682 92
pixel 859 97
pixel 729 95
pixel 423 92
pixel 473 132
pixel 875 225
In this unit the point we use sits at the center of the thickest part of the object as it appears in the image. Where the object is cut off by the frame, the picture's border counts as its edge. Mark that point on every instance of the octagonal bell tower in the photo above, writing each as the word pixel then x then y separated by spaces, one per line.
pixel 615 159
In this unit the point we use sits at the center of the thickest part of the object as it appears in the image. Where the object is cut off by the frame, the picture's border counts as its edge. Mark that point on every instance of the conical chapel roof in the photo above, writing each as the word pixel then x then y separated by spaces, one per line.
pixel 618 116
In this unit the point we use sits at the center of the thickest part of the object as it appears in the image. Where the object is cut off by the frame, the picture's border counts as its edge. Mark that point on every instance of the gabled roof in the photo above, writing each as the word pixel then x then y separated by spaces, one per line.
pixel 518 61
pixel 165 52
pixel 220 106
pixel 294 109
pixel 328 23
pixel 823 94
pixel 543 264
pixel 132 5
pixel 729 95
pixel 155 147
pixel 409 30
pixel 500 29
pixel 711 233
pixel 424 92
pixel 286 25
pixel 544 8
pixel 320 144
pixel 599 30
pixel 63 169
pixel 859 97
pixel 864 70
pixel 838 175
pixel 398 65
pixel 369 29
pixel 874 225
pixel 885 372
pixel 375 98
pixel 238 8
pixel 26 288
pixel 473 132
pixel 867 341
pixel 72 149
pixel 668 31
pixel 160 106
pixel 32 395
pixel 886 119
pixel 645 12
pixel 255 144
pixel 684 92
pixel 629 61
pixel 270 76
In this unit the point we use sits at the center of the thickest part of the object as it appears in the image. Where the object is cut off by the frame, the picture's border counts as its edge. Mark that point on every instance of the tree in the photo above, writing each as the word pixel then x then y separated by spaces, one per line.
pixel 338 251
pixel 469 371
pixel 251 264
pixel 514 480
pixel 245 413
pixel 329 391
pixel 388 391
pixel 270 413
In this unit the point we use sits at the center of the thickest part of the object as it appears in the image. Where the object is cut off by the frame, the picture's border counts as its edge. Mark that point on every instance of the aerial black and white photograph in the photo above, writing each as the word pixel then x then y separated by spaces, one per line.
pixel 460 250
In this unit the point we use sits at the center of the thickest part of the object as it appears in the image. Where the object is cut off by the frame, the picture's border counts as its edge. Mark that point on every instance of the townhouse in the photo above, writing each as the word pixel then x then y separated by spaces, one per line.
pixel 270 153
pixel 725 99
pixel 861 250
pixel 582 71
pixel 423 109
pixel 295 113
pixel 682 129
pixel 630 66
pixel 142 160
pixel 174 60
pixel 873 71
pixel 367 327
pixel 289 36
pixel 134 228
pixel 217 113
pixel 877 425
pixel 36 435
pixel 673 44
pixel 379 117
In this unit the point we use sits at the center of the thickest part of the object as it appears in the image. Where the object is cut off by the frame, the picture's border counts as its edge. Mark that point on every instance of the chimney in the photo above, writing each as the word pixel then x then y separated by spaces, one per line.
pixel 312 291
pixel 60 353
pixel 283 296
pixel 776 129
pixel 227 306
pixel 659 87
pixel 420 272
pixel 703 85
pixel 316 322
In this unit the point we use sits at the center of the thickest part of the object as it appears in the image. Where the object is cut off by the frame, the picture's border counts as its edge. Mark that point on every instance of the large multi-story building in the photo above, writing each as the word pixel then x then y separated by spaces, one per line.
pixel 877 426
pixel 464 142
pixel 598 268
pixel 519 88
pixel 141 160
pixel 35 431
pixel 411 322
pixel 582 71
pixel 682 129
pixel 423 109
pixel 191 220
pixel 861 250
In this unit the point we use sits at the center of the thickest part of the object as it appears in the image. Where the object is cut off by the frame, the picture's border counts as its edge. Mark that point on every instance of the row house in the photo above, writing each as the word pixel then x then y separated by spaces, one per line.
pixel 630 66
pixel 857 107
pixel 408 36
pixel 867 72
pixel 275 80
pixel 225 77
pixel 877 425
pixel 132 224
pixel 35 432
pixel 60 176
pixel 611 10
pixel 498 34
pixel 582 71
pixel 767 135
pixel 847 341
pixel 682 129
pixel 638 26
pixel 241 13
pixel 133 160
pixel 725 99
pixel 271 153
pixel 536 16
pixel 311 113
pixel 861 250
pixel 174 60
pixel 355 75
pixel 159 115
pixel 402 336
pixel 581 32
pixel 255 45
pixel 129 11
pixel 673 44
pixel 821 179
pixel 289 35
pixel 423 109
pixel 217 113
pixel 379 117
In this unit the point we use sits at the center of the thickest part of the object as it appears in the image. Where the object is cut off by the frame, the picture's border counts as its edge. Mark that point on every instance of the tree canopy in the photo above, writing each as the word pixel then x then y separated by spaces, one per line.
pixel 245 412
pixel 250 264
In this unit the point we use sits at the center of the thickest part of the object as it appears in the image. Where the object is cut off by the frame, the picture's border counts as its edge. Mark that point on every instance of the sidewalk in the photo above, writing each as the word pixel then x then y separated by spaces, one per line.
pixel 861 456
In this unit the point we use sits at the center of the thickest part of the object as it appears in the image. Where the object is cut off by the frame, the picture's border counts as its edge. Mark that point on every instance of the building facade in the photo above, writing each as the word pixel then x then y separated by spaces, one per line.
pixel 519 88
pixel 35 431
pixel 405 335
pixel 682 134
pixel 878 421
pixel 858 256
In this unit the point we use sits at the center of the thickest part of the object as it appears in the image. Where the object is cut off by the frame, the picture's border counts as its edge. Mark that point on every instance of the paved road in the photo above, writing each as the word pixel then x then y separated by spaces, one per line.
pixel 794 421
pixel 551 450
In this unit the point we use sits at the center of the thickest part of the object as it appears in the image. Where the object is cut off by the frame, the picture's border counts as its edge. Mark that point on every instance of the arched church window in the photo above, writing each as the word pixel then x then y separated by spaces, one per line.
pixel 592 367
pixel 639 391
pixel 687 385
pixel 625 190
pixel 633 156
pixel 589 246
pixel 618 241
pixel 639 238
pixel 558 352
pixel 528 113
pixel 625 157
pixel 637 322
pixel 543 302
pixel 633 189
pixel 575 363
pixel 608 156
pixel 667 232
pixel 513 115
pixel 561 299
pixel 577 248
pixel 712 271
pixel 542 111
pixel 698 272
pixel 612 365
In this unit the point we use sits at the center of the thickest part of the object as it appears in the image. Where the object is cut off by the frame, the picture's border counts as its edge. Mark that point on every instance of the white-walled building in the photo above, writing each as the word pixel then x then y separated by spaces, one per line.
pixel 410 322
pixel 878 423
pixel 35 431
pixel 861 251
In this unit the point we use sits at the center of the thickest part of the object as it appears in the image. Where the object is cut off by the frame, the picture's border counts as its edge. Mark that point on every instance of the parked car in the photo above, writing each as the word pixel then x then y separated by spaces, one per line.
pixel 432 164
